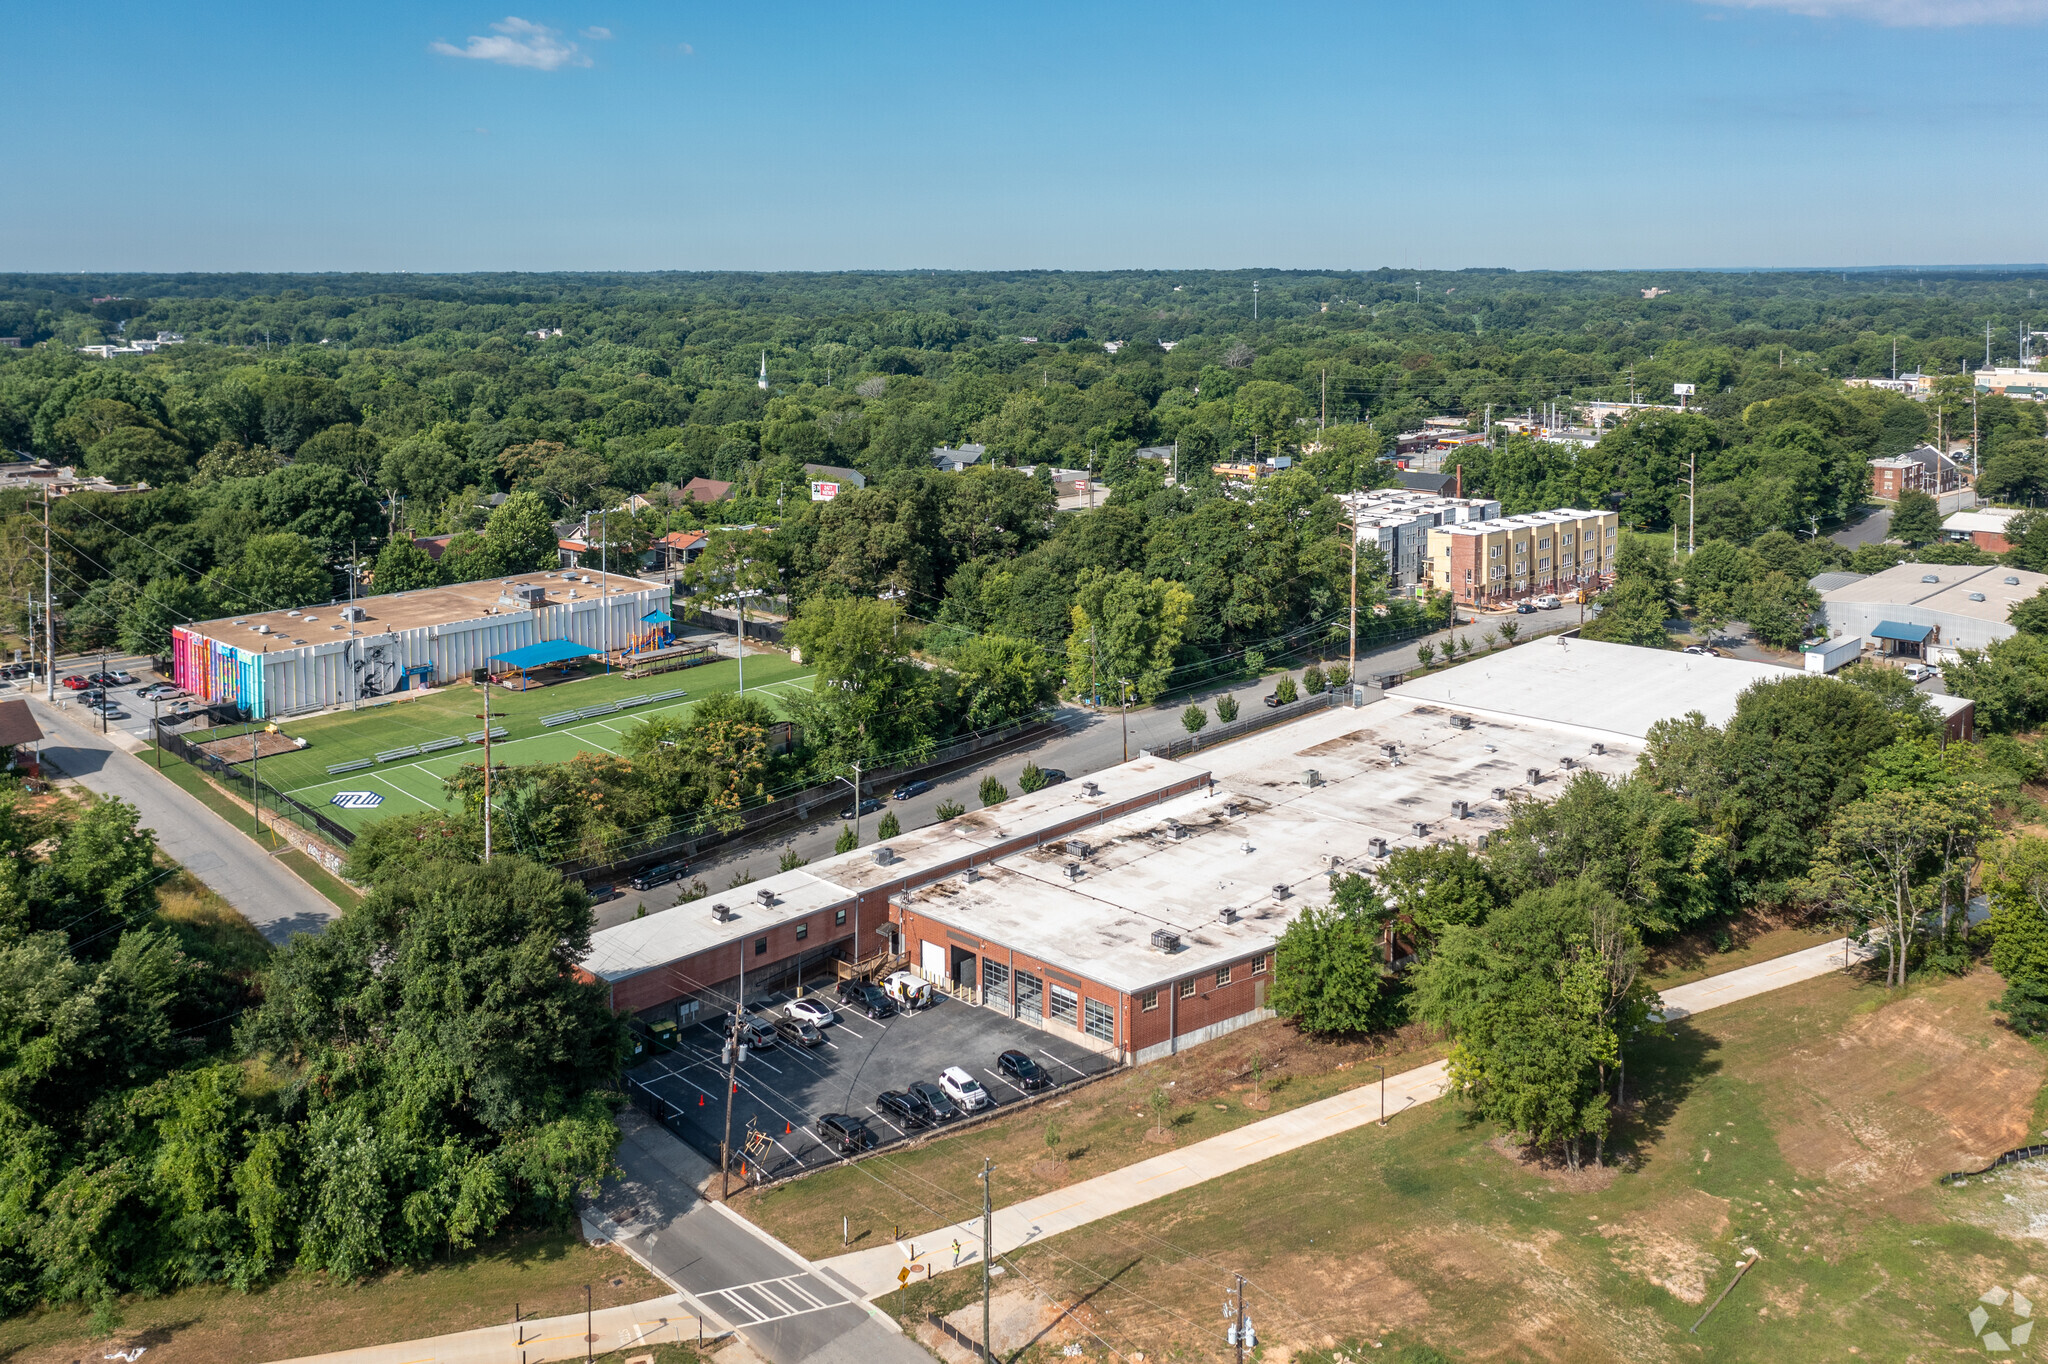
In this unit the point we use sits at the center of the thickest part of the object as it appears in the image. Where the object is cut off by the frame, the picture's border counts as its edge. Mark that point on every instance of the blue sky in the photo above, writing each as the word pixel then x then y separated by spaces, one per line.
pixel 601 134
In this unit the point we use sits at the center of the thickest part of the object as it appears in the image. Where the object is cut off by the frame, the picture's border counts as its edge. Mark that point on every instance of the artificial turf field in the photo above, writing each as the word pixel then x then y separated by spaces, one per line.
pixel 416 783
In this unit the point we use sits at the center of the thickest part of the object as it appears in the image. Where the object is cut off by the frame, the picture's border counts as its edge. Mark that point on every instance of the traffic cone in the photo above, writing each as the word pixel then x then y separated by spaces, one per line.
pixel 700 1101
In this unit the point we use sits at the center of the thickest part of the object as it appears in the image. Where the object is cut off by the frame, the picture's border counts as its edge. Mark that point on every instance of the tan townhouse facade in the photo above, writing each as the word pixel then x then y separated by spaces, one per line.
pixel 1518 556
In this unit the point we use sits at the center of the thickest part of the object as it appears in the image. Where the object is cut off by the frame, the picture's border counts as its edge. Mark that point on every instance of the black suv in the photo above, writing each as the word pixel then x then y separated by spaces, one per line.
pixel 858 994
pixel 935 1100
pixel 795 1030
pixel 1015 1065
pixel 658 875
pixel 844 1132
pixel 907 1111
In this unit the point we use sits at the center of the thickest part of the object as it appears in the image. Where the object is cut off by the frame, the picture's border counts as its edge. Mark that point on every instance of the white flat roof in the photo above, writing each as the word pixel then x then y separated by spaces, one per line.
pixel 1136 876
pixel 1950 591
pixel 1993 519
pixel 671 935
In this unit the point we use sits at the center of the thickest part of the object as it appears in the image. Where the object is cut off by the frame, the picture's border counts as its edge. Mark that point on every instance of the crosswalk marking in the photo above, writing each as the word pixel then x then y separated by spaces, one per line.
pixel 763 1294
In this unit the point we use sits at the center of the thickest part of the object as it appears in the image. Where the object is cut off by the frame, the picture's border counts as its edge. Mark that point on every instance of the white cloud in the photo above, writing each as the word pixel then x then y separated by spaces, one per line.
pixel 519 43
pixel 1907 13
pixel 596 33
pixel 687 50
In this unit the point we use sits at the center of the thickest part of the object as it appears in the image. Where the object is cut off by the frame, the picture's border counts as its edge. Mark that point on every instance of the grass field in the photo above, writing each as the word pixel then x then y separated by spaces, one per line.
pixel 416 783
pixel 306 1314
pixel 1812 1124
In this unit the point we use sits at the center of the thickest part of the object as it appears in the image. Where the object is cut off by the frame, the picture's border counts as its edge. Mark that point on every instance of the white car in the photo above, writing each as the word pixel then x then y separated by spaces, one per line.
pixel 964 1089
pixel 809 1011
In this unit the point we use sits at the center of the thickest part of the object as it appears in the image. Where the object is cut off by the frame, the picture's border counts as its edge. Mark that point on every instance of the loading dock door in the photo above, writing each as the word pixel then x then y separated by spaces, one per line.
pixel 932 960
pixel 1030 996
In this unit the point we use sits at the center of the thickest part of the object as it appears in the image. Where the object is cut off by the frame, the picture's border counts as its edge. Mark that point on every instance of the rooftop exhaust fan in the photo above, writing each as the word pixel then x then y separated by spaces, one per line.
pixel 1500 793
pixel 973 875
pixel 1073 870
pixel 1089 788
pixel 1311 778
pixel 1421 829
pixel 766 897
pixel 1600 748
pixel 1376 847
pixel 1535 776
pixel 1227 915
pixel 1280 890
pixel 1460 809
pixel 1930 578
pixel 720 913
pixel 1461 722
pixel 1165 940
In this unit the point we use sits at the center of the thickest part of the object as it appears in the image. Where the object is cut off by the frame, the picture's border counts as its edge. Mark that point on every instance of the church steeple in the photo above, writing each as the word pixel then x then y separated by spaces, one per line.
pixel 762 382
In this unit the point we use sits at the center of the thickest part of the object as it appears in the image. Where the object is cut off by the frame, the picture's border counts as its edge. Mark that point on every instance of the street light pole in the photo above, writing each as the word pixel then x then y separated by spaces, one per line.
pixel 1123 701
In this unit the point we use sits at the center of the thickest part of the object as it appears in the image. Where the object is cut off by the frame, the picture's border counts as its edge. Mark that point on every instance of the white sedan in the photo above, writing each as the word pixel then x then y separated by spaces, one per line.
pixel 809 1011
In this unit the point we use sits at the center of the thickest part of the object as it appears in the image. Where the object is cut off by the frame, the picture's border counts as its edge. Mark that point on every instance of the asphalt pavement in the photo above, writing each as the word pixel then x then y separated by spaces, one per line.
pixel 1088 741
pixel 788 1310
pixel 231 863
pixel 1875 525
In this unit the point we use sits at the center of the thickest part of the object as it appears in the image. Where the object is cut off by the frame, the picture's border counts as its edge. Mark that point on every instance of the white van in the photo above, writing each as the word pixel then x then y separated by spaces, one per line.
pixel 909 991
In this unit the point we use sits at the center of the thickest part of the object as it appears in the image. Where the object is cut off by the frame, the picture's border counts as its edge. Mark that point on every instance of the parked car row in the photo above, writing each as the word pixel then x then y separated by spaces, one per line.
pixel 926 1103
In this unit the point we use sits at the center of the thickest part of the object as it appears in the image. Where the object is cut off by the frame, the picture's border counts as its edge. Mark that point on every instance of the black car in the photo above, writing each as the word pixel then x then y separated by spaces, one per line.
pixel 868 805
pixel 904 1110
pixel 1025 1072
pixel 1053 775
pixel 1523 608
pixel 798 1032
pixel 935 1100
pixel 844 1132
pixel 600 894
pixel 910 789
pixel 658 875
pixel 869 1000
pixel 11 671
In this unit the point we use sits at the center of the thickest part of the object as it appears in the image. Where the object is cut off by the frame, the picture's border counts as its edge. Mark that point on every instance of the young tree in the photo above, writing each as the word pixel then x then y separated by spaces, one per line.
pixel 1916 519
pixel 1194 719
pixel 993 792
pixel 1284 691
pixel 1542 1001
pixel 791 859
pixel 888 826
pixel 1313 681
pixel 949 809
pixel 1032 778
pixel 1226 708
pixel 1425 652
pixel 1508 630
pixel 847 841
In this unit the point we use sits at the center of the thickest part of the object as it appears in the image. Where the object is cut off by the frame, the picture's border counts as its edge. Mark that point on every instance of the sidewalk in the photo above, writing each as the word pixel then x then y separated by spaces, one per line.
pixel 873 1272
pixel 655 1321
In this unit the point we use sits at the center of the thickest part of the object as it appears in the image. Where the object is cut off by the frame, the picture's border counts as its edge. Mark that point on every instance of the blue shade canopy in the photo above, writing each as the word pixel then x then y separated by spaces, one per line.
pixel 657 618
pixel 1911 634
pixel 540 655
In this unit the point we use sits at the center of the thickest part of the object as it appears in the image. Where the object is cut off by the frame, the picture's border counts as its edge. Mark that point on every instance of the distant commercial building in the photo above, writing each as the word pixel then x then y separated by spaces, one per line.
pixel 1922 469
pixel 272 663
pixel 1929 610
pixel 60 479
pixel 2014 383
pixel 1984 527
pixel 1482 562
pixel 1399 521
pixel 829 480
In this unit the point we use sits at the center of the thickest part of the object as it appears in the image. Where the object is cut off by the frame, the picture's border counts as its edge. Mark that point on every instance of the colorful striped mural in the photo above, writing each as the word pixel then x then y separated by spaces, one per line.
pixel 216 673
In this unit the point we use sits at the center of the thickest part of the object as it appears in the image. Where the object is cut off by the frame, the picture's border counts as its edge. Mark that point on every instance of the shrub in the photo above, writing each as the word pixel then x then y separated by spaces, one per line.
pixel 1338 677
pixel 791 860
pixel 1032 778
pixel 1285 691
pixel 1426 652
pixel 993 792
pixel 888 826
pixel 1226 708
pixel 1194 719
pixel 1254 661
pixel 950 809
pixel 1313 681
pixel 847 841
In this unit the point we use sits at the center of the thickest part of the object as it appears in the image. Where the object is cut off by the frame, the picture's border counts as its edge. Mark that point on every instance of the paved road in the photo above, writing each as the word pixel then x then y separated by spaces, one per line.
pixel 1090 740
pixel 234 865
pixel 1872 529
pixel 733 1272
pixel 873 1271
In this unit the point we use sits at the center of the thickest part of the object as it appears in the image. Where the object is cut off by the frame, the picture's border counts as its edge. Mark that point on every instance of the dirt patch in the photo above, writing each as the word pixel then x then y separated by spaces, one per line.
pixel 1915 1089
pixel 2012 1202
pixel 1666 1245
pixel 1556 1313
pixel 240 748
pixel 1018 1318
pixel 1585 1179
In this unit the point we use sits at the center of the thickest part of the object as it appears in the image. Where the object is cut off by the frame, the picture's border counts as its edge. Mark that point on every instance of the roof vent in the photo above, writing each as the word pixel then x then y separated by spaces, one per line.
pixel 292 614
pixel 572 594
pixel 1976 596
pixel 1247 849
pixel 1073 870
pixel 2011 581
pixel 1600 749
pixel 1567 763
pixel 1461 722
pixel 1376 847
pixel 1929 578
pixel 973 875
pixel 1460 809
pixel 1227 915
pixel 1311 778
pixel 766 897
pixel 1231 809
pixel 1280 890
pixel 1480 842
pixel 263 629
pixel 1165 940
pixel 1421 829
pixel 720 913
pixel 1535 776
pixel 1500 793
pixel 1089 788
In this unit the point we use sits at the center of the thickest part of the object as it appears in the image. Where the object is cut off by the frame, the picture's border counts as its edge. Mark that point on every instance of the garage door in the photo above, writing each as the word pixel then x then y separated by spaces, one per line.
pixel 1030 996
pixel 932 960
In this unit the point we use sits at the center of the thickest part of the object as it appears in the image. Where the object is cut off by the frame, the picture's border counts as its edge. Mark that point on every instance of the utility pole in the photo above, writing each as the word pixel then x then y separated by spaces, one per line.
pixel 1691 499
pixel 988 1250
pixel 487 717
pixel 732 1054
pixel 1354 598
pixel 49 611
pixel 1123 700
pixel 1238 1327
pixel 1255 302
pixel 1324 423
pixel 605 576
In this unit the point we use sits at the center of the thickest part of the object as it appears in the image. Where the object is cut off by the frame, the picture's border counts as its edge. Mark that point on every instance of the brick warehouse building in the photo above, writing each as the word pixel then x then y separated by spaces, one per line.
pixel 1140 915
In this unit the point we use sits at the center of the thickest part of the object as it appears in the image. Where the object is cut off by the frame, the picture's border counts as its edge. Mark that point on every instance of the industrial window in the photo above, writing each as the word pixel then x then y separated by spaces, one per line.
pixel 760 947
pixel 802 931
pixel 1101 1022
pixel 1066 1007
pixel 1223 975
pixel 995 983
pixel 1258 966
pixel 1187 988
pixel 1149 1001
pixel 1030 996
pixel 838 918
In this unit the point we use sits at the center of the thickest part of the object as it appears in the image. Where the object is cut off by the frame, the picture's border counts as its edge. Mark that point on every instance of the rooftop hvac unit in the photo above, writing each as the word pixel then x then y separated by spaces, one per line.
pixel 1073 870
pixel 1231 809
pixel 766 897
pixel 1311 778
pixel 1076 848
pixel 1461 722
pixel 720 913
pixel 531 594
pixel 1500 793
pixel 1390 749
pixel 1376 847
pixel 973 875
pixel 1421 829
pixel 1176 828
pixel 1165 940
pixel 1568 763
pixel 354 613
pixel 883 857
pixel 1280 890
pixel 1227 914
pixel 1480 842
pixel 1089 788
pixel 1535 776
pixel 1600 748
pixel 1460 809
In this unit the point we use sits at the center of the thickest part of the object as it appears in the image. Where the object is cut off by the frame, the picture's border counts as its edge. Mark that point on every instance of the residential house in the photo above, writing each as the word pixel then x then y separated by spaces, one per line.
pixel 1922 469
pixel 949 460
pixel 705 490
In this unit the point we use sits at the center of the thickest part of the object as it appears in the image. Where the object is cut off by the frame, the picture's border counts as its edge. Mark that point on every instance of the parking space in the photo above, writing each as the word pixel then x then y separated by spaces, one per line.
pixel 783 1089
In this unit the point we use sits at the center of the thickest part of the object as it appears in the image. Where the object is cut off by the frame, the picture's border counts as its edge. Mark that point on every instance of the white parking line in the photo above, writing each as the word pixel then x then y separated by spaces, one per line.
pixel 886 1123
pixel 1050 1057
pixel 1004 1083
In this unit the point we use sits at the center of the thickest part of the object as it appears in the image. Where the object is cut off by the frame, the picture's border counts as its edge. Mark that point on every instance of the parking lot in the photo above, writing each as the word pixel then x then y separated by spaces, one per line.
pixel 782 1090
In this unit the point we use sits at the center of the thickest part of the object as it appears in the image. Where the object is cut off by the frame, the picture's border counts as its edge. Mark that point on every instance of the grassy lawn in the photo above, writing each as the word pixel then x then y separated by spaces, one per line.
pixel 1100 1127
pixel 304 1314
pixel 414 784
pixel 1811 1124
pixel 1696 955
